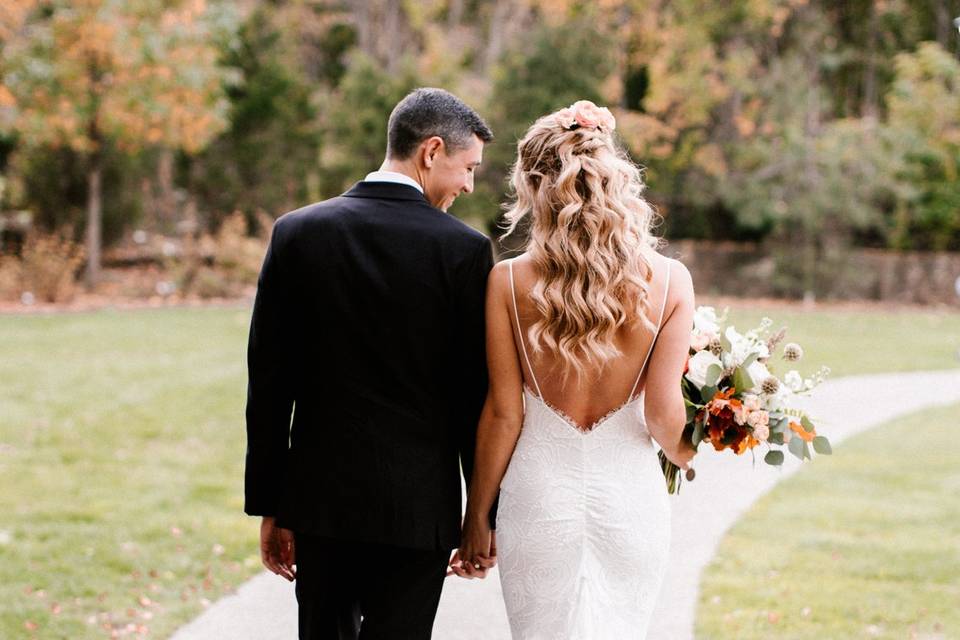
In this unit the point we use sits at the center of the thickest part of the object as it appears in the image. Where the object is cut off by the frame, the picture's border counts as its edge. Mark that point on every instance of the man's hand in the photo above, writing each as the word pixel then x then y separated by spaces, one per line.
pixel 277 549
pixel 474 560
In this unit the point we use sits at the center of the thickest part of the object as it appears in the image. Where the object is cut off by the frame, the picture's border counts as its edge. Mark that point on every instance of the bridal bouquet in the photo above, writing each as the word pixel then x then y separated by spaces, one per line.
pixel 735 401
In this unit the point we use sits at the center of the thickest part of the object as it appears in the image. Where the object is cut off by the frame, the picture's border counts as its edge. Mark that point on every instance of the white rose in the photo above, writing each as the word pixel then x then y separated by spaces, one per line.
pixel 705 320
pixel 762 350
pixel 793 380
pixel 699 363
pixel 740 346
pixel 728 360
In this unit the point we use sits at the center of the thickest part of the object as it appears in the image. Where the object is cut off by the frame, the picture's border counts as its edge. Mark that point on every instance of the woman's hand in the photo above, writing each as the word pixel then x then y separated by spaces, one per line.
pixel 477 553
pixel 682 455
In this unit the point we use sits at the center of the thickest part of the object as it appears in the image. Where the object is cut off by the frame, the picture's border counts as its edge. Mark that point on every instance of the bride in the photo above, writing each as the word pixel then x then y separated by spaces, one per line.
pixel 587 336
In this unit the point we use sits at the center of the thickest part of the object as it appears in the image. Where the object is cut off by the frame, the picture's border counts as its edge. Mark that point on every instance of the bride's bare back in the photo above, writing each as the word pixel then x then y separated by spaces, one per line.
pixel 585 402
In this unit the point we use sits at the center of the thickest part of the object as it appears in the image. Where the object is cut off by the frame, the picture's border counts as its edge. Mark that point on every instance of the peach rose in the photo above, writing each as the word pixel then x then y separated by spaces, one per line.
pixel 758 418
pixel 565 118
pixel 761 432
pixel 752 402
pixel 699 341
pixel 590 116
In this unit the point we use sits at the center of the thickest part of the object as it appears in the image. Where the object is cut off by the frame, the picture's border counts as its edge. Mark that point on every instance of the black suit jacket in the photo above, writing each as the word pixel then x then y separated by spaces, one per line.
pixel 368 325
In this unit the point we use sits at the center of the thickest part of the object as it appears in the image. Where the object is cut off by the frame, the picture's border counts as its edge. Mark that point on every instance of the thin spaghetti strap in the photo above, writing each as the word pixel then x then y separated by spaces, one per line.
pixel 663 307
pixel 516 315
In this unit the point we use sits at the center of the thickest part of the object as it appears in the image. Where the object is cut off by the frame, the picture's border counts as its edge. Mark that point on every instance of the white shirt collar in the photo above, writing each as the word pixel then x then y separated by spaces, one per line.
pixel 392 176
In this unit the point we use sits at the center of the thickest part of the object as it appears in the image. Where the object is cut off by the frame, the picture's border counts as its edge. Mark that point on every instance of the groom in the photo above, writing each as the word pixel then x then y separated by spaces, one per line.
pixel 368 327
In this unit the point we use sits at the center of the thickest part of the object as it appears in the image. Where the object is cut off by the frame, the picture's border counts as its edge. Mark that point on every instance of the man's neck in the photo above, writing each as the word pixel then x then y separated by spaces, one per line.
pixel 405 168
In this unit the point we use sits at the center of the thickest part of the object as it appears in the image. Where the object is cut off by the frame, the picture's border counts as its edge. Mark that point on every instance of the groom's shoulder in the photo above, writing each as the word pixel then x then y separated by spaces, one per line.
pixel 457 227
pixel 308 214
pixel 441 223
pixel 314 210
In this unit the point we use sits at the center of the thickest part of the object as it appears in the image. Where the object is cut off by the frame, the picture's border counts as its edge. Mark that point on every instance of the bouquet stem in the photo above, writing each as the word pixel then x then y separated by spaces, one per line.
pixel 671 473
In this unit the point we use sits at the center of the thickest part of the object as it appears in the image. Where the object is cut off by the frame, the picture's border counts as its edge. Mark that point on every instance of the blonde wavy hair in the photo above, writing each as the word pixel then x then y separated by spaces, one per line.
pixel 589 226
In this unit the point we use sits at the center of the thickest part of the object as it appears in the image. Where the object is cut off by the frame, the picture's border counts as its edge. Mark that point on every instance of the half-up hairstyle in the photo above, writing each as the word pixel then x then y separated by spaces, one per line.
pixel 589 226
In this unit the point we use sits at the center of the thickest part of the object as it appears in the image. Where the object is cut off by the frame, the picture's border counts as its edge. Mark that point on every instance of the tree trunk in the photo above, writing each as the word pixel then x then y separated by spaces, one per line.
pixel 454 14
pixel 944 25
pixel 498 23
pixel 870 102
pixel 811 181
pixel 94 221
pixel 394 36
pixel 167 203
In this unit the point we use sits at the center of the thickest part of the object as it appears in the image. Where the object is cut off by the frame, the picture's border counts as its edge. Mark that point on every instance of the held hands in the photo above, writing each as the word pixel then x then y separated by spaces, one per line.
pixel 277 549
pixel 477 553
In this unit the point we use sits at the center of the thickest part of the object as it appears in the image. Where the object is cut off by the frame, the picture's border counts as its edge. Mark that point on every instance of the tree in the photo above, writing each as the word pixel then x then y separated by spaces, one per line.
pixel 553 68
pixel 140 73
pixel 355 119
pixel 924 124
pixel 268 155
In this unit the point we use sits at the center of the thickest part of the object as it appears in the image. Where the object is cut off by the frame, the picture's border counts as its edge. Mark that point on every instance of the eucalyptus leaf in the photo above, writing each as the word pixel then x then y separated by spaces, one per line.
pixel 806 424
pixel 712 377
pixel 796 447
pixel 806 450
pixel 741 380
pixel 697 433
pixel 707 393
pixel 774 457
pixel 775 438
pixel 822 445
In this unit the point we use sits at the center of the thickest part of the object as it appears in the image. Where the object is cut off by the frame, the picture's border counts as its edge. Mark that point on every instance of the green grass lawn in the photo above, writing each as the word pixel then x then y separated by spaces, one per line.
pixel 852 342
pixel 121 465
pixel 866 545
pixel 121 455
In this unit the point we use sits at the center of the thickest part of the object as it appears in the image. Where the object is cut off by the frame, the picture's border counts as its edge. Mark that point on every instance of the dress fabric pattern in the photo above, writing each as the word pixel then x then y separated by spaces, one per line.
pixel 583 526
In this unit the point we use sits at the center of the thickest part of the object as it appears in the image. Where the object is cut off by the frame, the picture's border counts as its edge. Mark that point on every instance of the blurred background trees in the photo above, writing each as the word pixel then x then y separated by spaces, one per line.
pixel 805 124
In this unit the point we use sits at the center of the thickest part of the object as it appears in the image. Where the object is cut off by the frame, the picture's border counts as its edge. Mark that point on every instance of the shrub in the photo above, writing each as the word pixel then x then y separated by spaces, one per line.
pixel 47 268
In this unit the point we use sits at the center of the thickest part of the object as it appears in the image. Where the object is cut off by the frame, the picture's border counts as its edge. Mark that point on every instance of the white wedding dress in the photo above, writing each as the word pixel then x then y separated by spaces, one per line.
pixel 583 526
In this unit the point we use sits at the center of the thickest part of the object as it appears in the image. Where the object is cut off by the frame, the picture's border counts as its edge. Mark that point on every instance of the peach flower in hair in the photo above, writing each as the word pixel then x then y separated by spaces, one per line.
pixel 565 118
pixel 589 116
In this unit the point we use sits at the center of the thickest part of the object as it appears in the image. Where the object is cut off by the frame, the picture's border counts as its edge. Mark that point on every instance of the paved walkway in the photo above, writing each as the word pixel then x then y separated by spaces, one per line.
pixel 265 607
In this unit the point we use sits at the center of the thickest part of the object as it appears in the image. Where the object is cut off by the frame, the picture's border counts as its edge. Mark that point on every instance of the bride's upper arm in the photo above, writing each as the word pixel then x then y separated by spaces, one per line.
pixel 665 369
pixel 505 395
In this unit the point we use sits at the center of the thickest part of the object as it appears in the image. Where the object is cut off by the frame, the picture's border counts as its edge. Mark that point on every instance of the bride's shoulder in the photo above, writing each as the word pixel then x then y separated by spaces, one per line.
pixel 680 283
pixel 499 278
pixel 661 263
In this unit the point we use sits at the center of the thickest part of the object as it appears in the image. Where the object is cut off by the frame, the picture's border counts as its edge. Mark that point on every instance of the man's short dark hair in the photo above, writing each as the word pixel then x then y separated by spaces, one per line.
pixel 428 112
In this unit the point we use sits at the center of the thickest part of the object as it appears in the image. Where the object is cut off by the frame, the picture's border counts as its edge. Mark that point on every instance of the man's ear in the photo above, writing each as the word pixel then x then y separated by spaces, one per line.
pixel 429 150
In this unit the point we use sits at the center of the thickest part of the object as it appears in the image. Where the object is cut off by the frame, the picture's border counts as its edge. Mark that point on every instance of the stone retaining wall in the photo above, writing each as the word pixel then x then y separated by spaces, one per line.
pixel 758 270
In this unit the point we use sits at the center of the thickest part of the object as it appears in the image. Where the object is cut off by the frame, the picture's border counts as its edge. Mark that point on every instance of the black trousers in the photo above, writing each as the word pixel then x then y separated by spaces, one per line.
pixel 359 591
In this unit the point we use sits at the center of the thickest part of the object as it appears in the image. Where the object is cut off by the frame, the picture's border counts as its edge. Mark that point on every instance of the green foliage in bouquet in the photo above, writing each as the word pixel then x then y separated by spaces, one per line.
pixel 734 401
